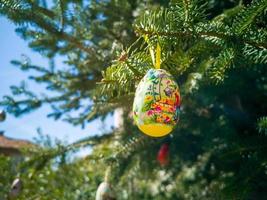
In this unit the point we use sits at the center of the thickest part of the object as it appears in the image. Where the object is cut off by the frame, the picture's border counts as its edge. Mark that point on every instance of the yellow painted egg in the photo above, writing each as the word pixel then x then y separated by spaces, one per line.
pixel 156 104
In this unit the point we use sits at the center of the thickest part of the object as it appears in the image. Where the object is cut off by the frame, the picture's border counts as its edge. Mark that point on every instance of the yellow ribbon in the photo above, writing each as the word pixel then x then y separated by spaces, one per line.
pixel 158 55
pixel 107 174
pixel 155 61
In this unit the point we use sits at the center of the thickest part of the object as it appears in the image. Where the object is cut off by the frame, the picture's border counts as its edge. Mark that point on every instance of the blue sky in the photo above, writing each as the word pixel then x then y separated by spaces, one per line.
pixel 13 47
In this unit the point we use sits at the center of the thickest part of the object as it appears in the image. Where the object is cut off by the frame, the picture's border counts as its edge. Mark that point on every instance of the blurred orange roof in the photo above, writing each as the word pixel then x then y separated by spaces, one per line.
pixel 6 142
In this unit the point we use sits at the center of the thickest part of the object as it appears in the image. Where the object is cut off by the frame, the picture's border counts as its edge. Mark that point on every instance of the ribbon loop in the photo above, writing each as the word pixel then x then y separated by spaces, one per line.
pixel 158 56
pixel 156 59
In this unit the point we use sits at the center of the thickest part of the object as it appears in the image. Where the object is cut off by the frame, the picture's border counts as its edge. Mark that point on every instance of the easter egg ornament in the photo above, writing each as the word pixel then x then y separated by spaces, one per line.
pixel 156 104
pixel 105 190
pixel 2 115
pixel 15 189
pixel 163 155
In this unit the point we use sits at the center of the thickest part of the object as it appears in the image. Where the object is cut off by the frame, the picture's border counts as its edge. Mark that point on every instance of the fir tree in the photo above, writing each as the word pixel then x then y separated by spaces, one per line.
pixel 217 52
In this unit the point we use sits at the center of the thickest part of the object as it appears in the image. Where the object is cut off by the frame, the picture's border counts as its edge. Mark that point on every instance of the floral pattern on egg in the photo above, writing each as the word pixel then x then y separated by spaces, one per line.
pixel 157 102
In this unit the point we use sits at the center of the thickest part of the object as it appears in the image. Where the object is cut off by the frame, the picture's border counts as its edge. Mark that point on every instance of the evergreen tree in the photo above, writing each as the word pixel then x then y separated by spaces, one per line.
pixel 217 52
pixel 87 35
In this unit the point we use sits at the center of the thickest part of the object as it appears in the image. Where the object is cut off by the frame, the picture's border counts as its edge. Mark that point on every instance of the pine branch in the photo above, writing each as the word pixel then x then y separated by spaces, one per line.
pixel 188 11
pixel 200 34
pixel 242 150
pixel 62 15
pixel 247 16
pixel 255 55
pixel 122 73
pixel 42 156
pixel 21 15
pixel 262 125
pixel 221 64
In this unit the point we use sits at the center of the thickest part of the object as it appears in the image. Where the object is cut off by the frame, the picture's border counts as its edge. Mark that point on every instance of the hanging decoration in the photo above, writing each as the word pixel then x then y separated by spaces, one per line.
pixel 105 190
pixel 163 155
pixel 2 115
pixel 16 188
pixel 157 101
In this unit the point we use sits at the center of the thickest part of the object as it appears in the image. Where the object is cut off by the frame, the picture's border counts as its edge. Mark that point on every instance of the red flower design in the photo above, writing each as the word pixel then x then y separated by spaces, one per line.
pixel 150 112
pixel 158 109
pixel 172 109
pixel 167 119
